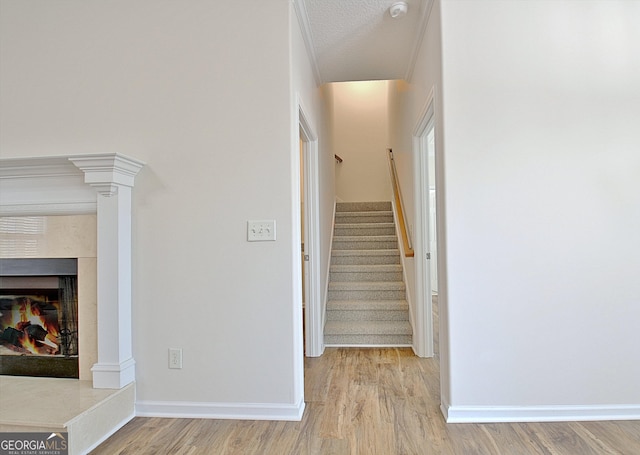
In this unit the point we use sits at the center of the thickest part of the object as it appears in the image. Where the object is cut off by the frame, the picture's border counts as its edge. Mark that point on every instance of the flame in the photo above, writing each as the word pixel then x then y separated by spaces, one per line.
pixel 28 344
pixel 26 313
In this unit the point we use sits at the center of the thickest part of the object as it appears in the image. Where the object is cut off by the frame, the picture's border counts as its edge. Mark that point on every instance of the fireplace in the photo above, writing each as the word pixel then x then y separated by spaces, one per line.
pixel 85 202
pixel 99 185
pixel 39 317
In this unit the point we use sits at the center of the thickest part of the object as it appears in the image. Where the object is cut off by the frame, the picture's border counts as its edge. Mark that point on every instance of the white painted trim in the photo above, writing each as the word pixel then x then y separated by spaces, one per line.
pixel 444 408
pixel 347 345
pixel 234 411
pixel 423 333
pixel 314 308
pixel 41 186
pixel 107 172
pixel 112 175
pixel 417 42
pixel 428 110
pixel 114 375
pixel 328 275
pixel 494 414
pixel 305 28
pixel 37 167
pixel 403 261
pixel 65 208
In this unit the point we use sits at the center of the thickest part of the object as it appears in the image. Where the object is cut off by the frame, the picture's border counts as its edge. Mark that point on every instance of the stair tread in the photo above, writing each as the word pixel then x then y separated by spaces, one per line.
pixel 365 210
pixel 365 268
pixel 366 285
pixel 366 238
pixel 365 225
pixel 380 252
pixel 358 305
pixel 363 213
pixel 367 328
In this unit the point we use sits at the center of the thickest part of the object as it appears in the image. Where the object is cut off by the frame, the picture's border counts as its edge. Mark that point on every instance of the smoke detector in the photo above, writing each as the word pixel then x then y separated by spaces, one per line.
pixel 398 9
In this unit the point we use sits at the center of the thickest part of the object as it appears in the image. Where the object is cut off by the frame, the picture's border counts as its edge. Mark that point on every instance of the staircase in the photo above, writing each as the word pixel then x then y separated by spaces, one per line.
pixel 367 299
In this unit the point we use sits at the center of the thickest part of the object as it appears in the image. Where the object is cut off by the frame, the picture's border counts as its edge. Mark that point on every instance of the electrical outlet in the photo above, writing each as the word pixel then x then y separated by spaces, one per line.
pixel 175 358
pixel 261 230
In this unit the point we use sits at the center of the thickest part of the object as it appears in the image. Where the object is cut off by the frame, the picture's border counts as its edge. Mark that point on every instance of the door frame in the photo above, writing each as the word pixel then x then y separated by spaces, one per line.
pixel 314 341
pixel 423 344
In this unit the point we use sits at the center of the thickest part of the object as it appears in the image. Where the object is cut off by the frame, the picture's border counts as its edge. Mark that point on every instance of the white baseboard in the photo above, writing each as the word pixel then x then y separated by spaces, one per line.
pixel 347 345
pixel 494 414
pixel 235 411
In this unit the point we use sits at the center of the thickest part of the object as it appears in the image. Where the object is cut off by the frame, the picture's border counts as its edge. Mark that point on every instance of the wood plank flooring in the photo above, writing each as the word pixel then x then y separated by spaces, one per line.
pixel 371 401
pixel 365 401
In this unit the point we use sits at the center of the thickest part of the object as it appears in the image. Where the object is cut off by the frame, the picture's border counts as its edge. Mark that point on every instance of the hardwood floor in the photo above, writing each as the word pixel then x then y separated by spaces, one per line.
pixel 371 401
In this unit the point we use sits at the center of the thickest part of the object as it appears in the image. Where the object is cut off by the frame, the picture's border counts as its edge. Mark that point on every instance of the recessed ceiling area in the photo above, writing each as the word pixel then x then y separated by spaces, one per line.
pixel 358 40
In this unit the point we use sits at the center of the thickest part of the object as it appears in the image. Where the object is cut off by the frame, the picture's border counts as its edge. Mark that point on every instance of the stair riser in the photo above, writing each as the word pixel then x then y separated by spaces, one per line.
pixel 340 244
pixel 366 276
pixel 368 218
pixel 363 206
pixel 367 295
pixel 338 231
pixel 367 315
pixel 354 340
pixel 365 260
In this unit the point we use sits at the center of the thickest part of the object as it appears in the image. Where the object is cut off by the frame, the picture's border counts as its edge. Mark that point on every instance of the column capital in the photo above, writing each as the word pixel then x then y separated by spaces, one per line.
pixel 106 172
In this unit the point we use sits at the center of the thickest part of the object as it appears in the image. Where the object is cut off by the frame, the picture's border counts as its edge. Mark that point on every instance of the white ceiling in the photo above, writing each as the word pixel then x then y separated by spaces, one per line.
pixel 357 40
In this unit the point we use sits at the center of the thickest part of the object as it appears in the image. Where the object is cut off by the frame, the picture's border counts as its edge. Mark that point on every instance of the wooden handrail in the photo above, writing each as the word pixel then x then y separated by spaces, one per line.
pixel 338 159
pixel 397 195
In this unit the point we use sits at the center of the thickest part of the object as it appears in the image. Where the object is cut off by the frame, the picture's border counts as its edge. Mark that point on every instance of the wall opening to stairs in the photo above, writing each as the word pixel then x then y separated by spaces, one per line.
pixel 367 302
pixel 362 131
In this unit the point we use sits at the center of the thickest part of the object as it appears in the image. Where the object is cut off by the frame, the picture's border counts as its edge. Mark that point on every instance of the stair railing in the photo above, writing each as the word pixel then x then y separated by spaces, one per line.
pixel 399 206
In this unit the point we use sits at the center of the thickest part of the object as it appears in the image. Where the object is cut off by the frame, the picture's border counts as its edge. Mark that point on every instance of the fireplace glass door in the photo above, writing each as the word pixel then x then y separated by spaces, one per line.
pixel 39 326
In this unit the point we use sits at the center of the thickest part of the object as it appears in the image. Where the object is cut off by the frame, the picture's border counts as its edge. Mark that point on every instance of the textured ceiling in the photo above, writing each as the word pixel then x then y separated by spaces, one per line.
pixel 355 40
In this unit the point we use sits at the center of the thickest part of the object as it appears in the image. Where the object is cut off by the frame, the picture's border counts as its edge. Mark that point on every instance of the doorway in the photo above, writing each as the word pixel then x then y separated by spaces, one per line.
pixel 310 236
pixel 426 267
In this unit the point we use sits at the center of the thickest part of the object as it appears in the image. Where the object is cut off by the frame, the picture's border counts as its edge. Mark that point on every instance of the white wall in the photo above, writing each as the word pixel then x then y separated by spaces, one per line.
pixel 407 103
pixel 541 114
pixel 200 91
pixel 361 139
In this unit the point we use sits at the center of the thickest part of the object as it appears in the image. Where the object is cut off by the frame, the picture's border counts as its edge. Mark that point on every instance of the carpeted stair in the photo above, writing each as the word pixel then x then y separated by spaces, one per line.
pixel 367 298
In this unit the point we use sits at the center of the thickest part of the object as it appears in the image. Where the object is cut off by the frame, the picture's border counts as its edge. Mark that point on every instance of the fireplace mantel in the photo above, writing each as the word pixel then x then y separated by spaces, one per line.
pixel 80 184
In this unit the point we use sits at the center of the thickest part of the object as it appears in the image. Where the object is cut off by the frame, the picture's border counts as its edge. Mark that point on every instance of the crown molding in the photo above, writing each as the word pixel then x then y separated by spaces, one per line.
pixel 305 28
pixel 417 43
pixel 62 185
pixel 37 167
pixel 107 171
pixel 43 186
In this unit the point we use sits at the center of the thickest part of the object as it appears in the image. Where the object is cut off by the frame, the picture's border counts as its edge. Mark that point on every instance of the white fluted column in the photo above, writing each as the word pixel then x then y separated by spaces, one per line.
pixel 113 175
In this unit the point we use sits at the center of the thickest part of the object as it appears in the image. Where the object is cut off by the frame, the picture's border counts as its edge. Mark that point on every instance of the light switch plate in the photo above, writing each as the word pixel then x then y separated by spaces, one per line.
pixel 261 230
pixel 175 358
